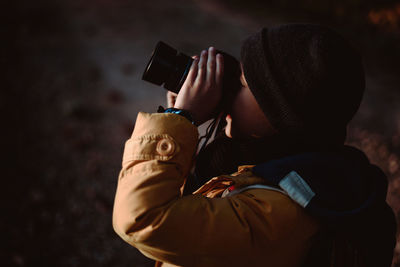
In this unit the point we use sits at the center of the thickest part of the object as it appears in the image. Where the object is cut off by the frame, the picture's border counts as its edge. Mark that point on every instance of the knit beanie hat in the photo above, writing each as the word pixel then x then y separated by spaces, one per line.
pixel 306 78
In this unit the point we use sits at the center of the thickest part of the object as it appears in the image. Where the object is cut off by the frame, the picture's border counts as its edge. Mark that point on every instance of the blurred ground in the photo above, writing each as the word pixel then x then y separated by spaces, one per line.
pixel 72 88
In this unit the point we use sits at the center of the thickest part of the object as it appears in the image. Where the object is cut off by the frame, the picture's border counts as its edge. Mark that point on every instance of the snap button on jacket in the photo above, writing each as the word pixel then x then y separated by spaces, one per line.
pixel 165 147
pixel 257 227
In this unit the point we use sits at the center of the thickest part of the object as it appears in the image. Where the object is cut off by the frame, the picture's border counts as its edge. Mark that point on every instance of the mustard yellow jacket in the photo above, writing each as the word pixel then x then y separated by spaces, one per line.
pixel 257 227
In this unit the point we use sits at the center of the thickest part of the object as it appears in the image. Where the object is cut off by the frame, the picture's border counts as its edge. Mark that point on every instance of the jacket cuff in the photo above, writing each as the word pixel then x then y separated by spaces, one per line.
pixel 161 136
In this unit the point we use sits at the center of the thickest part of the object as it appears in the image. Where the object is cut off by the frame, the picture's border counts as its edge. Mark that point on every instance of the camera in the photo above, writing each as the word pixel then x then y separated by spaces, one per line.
pixel 169 68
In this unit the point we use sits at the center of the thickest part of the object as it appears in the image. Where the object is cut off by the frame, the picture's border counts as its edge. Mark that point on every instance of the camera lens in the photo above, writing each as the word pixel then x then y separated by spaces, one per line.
pixel 167 67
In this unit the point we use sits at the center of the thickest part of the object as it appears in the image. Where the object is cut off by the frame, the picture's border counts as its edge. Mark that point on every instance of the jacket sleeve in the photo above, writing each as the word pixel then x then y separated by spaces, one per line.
pixel 151 214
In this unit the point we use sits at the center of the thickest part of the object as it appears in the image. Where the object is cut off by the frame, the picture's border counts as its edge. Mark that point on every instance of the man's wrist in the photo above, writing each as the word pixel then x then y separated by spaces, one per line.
pixel 181 112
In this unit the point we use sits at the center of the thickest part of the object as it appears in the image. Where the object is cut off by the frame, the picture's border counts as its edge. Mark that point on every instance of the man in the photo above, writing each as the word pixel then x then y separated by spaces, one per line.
pixel 308 201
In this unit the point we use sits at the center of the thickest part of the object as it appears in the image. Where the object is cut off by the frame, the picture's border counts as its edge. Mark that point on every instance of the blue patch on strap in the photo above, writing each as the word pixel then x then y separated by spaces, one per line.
pixel 297 188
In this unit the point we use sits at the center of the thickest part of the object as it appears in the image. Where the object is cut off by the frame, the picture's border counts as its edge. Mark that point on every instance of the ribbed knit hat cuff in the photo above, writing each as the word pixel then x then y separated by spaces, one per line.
pixel 261 77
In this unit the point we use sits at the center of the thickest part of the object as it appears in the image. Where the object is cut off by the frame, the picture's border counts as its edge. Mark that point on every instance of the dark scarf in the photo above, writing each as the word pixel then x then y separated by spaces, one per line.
pixel 223 155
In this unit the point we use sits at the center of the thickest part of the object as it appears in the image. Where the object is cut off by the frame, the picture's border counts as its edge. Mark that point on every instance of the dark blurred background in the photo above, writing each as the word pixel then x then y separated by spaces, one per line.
pixel 71 89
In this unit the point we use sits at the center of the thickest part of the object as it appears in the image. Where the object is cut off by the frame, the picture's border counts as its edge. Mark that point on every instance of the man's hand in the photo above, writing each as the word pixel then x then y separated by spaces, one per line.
pixel 202 91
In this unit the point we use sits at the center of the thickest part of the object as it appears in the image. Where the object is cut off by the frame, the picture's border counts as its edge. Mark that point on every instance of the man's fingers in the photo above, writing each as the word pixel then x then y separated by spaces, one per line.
pixel 201 92
pixel 219 72
pixel 202 66
pixel 211 65
pixel 193 71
